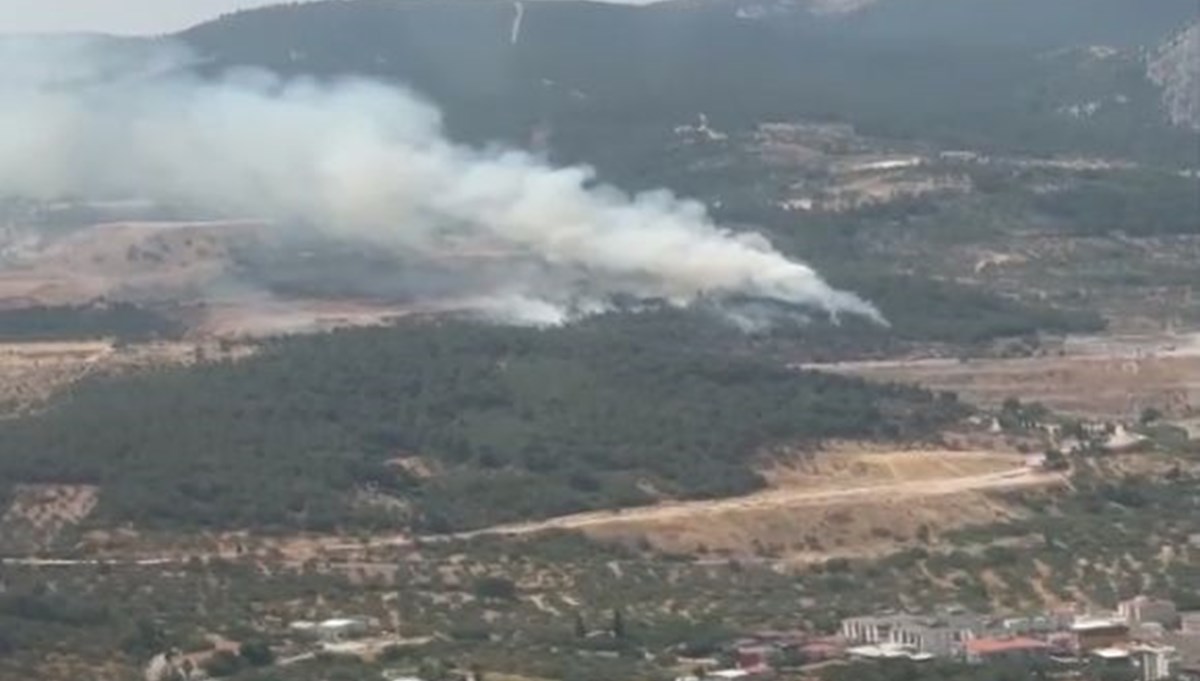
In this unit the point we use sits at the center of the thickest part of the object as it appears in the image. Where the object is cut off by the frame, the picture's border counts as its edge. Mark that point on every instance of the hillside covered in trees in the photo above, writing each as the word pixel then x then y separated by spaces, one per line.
pixel 508 424
pixel 606 79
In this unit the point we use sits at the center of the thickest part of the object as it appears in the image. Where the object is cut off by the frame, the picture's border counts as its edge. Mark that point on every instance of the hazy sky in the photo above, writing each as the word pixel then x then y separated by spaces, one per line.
pixel 123 16
pixel 113 16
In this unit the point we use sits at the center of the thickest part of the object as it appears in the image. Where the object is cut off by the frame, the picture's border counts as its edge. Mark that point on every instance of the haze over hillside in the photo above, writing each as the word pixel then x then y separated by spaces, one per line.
pixel 967 73
pixel 1176 67
pixel 548 340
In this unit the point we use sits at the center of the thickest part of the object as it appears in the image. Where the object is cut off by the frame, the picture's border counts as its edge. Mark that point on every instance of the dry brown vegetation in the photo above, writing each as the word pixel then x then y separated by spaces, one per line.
pixel 31 373
pixel 835 503
pixel 37 514
pixel 1112 378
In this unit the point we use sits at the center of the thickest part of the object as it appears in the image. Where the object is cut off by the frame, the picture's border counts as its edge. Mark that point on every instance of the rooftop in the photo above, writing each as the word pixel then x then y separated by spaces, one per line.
pixel 1098 624
pixel 1111 653
pixel 888 651
pixel 993 646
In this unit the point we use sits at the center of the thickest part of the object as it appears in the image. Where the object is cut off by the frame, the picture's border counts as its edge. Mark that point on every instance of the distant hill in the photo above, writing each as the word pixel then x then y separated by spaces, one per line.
pixel 605 78
pixel 1176 67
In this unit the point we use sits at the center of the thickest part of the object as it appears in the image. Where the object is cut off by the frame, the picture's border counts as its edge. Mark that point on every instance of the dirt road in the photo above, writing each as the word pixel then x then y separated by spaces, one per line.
pixel 779 499
pixel 1096 377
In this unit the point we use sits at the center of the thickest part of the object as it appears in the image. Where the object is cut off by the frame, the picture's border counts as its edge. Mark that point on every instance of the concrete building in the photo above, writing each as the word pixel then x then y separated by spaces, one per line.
pixel 1037 624
pixel 1093 634
pixel 1153 663
pixel 341 629
pixel 1189 622
pixel 941 636
pixel 1021 649
pixel 888 651
pixel 332 630
pixel 1144 609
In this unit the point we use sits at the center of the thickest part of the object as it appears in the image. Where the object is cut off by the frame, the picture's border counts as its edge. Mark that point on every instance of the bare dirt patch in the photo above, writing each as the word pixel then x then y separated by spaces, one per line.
pixel 1114 377
pixel 31 373
pixel 834 504
pixel 38 514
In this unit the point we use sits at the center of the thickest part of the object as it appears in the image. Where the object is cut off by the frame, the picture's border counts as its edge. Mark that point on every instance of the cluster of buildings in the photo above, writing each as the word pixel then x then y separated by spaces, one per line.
pixel 1147 635
pixel 1147 638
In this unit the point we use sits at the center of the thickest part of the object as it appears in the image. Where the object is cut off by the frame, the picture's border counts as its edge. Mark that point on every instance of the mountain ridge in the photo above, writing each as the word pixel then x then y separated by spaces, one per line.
pixel 1176 69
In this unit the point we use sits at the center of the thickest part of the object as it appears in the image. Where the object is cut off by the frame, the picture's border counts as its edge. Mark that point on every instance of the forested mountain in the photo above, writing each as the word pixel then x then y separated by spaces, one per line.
pixel 506 424
pixel 984 73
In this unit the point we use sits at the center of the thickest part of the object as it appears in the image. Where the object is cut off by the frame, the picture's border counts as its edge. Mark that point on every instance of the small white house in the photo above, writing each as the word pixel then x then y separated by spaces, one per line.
pixel 341 629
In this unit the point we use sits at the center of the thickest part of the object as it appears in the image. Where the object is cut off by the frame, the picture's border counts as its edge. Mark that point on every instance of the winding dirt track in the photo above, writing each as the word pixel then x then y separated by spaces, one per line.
pixel 779 499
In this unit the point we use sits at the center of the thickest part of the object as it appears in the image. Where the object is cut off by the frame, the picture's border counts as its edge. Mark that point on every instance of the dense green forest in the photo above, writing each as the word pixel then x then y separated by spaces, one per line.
pixel 515 423
pixel 123 321
pixel 1136 204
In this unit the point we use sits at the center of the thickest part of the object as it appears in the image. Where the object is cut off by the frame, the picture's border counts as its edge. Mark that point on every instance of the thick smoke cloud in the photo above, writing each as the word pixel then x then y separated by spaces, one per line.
pixel 368 164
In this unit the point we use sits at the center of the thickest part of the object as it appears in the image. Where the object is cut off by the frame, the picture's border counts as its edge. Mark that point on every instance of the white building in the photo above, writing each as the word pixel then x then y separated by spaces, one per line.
pixel 341 629
pixel 1153 663
pixel 942 636
pixel 1144 609
pixel 888 651
pixel 332 630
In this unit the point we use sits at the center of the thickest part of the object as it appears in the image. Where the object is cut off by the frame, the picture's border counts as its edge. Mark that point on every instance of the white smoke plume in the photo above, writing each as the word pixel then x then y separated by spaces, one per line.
pixel 370 164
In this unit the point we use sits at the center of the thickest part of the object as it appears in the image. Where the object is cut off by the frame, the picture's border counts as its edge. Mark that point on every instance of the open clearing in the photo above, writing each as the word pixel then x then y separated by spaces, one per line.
pixel 1114 377
pixel 834 504
pixel 31 373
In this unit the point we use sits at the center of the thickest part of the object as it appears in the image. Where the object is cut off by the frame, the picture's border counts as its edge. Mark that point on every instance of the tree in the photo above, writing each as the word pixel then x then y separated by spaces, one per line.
pixel 223 663
pixel 618 624
pixel 1056 461
pixel 1150 415
pixel 146 639
pixel 495 588
pixel 257 653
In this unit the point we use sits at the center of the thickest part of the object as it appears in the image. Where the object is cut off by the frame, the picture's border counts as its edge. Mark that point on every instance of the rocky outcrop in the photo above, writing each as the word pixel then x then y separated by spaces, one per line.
pixel 1176 69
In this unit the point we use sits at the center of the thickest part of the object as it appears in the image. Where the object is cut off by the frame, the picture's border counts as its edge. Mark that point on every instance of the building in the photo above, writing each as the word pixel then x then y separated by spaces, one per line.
pixel 331 631
pixel 1153 663
pixel 1111 658
pixel 1147 631
pixel 1038 624
pixel 1144 609
pixel 1098 634
pixel 1023 649
pixel 342 629
pixel 942 635
pixel 1189 622
pixel 887 651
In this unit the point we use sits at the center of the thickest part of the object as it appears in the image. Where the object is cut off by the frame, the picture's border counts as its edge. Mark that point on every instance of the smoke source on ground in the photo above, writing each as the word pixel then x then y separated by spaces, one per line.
pixel 368 164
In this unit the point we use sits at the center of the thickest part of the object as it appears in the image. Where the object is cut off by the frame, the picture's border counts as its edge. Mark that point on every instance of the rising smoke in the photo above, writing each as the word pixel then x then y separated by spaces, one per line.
pixel 370 165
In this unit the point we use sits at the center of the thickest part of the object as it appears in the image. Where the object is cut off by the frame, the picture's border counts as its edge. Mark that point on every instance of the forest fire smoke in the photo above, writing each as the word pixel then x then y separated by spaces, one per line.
pixel 367 163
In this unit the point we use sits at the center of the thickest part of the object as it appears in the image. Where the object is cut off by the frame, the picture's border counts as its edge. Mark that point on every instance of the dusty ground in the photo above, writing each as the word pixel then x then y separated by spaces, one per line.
pixel 834 504
pixel 37 514
pixel 30 373
pixel 129 260
pixel 253 318
pixel 1114 377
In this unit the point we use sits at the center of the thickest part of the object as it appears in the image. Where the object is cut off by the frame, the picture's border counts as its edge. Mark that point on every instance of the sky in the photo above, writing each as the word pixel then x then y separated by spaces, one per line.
pixel 121 17
pixel 125 17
